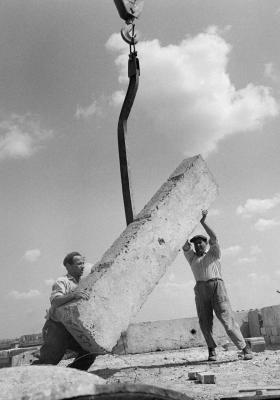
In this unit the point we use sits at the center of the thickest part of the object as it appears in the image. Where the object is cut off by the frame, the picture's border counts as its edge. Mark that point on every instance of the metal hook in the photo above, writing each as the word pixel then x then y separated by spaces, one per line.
pixel 129 35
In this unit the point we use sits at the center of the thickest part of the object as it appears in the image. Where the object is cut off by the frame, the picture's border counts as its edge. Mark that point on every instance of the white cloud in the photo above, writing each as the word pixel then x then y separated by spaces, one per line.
pixel 171 286
pixel 190 81
pixel 255 250
pixel 87 112
pixel 49 282
pixel 258 206
pixel 259 279
pixel 214 212
pixel 246 260
pixel 231 250
pixel 265 224
pixel 21 136
pixel 271 72
pixel 24 295
pixel 32 255
pixel 117 97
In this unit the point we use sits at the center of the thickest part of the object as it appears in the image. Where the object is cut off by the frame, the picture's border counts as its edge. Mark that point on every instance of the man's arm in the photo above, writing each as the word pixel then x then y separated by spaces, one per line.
pixel 65 298
pixel 187 246
pixel 208 230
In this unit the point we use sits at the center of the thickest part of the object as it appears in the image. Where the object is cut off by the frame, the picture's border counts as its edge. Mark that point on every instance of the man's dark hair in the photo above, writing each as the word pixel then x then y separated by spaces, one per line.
pixel 69 258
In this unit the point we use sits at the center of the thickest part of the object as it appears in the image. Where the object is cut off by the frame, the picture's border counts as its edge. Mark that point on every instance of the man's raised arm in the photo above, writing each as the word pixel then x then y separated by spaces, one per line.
pixel 208 230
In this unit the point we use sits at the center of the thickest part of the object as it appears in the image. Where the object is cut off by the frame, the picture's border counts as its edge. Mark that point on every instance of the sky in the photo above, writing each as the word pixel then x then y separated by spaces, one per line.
pixel 209 85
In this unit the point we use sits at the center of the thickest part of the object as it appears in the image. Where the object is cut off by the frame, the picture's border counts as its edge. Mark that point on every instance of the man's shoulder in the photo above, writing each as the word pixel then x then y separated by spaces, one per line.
pixel 62 280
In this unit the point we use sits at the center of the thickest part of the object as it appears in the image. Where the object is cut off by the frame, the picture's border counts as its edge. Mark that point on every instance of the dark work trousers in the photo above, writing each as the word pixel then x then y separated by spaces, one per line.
pixel 56 341
pixel 212 296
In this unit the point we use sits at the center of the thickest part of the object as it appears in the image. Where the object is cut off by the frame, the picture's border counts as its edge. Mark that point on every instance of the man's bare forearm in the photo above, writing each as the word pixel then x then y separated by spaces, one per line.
pixel 209 231
pixel 207 228
pixel 63 299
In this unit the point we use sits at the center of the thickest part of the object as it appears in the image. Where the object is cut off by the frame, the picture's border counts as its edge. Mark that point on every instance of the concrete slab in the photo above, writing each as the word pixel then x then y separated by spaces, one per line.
pixel 128 272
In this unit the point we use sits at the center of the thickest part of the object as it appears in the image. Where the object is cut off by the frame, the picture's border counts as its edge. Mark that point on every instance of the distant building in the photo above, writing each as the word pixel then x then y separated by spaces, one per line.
pixel 35 339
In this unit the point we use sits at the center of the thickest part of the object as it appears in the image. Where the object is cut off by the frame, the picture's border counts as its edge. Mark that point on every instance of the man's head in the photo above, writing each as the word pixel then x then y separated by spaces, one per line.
pixel 74 263
pixel 200 244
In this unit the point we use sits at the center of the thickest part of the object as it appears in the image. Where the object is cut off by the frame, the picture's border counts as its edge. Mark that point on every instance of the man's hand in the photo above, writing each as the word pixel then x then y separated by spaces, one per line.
pixel 186 246
pixel 80 294
pixel 204 215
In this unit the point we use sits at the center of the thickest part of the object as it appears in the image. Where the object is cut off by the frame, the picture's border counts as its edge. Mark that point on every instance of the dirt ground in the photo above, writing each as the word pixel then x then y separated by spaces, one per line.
pixel 169 369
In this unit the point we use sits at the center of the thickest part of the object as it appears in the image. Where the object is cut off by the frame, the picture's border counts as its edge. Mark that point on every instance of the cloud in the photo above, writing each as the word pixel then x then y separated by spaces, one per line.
pixel 246 260
pixel 24 295
pixel 258 206
pixel 49 282
pixel 214 212
pixel 32 255
pixel 189 81
pixel 21 136
pixel 173 287
pixel 266 224
pixel 271 72
pixel 260 279
pixel 231 250
pixel 255 250
pixel 87 112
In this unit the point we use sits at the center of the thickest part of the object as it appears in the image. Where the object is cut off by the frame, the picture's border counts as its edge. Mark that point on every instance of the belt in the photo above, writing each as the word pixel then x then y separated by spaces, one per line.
pixel 211 280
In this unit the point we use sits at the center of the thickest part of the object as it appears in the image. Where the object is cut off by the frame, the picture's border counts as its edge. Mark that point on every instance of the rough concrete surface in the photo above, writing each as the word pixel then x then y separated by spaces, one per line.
pixel 134 264
pixel 46 383
pixel 169 369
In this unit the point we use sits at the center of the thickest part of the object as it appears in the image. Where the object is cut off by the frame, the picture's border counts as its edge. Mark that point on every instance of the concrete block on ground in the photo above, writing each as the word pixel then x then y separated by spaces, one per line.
pixel 193 375
pixel 254 323
pixel 263 331
pixel 131 268
pixel 274 339
pixel 206 378
pixel 271 316
pixel 274 331
pixel 257 344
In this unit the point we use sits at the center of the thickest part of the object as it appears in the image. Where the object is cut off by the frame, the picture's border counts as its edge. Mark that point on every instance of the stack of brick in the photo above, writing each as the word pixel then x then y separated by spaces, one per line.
pixel 271 324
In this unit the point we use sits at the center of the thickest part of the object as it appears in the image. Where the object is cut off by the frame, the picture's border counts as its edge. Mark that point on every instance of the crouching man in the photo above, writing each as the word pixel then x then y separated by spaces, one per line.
pixel 56 339
pixel 210 291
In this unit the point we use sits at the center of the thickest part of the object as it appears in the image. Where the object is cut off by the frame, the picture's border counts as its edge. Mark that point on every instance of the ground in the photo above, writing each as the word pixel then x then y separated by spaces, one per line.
pixel 169 369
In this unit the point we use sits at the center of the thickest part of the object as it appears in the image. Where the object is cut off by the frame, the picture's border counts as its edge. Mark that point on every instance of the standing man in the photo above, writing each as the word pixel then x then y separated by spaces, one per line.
pixel 210 291
pixel 55 336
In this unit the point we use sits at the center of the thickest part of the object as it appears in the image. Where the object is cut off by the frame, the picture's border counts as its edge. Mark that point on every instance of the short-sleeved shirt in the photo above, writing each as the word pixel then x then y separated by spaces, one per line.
pixel 207 266
pixel 62 286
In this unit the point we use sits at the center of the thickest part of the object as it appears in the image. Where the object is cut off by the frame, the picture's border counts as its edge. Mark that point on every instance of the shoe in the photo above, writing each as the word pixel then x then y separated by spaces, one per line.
pixel 248 355
pixel 212 354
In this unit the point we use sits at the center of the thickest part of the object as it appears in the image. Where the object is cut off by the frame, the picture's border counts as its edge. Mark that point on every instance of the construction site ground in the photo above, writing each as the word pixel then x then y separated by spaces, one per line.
pixel 169 369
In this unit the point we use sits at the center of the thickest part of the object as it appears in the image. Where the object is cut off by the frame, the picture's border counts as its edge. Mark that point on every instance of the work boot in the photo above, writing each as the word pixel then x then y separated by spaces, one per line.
pixel 248 355
pixel 212 354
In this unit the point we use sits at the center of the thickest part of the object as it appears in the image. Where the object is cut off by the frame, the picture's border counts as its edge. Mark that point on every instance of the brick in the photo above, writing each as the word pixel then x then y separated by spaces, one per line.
pixel 263 331
pixel 257 344
pixel 131 268
pixel 193 375
pixel 206 378
pixel 268 330
pixel 275 339
pixel 254 322
pixel 274 331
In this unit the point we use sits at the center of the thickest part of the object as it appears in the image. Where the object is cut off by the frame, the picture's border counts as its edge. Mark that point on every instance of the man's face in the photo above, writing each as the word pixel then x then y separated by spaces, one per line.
pixel 200 247
pixel 77 267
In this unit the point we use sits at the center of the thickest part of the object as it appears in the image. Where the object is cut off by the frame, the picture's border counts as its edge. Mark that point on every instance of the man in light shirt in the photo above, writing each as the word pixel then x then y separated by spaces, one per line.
pixel 57 340
pixel 210 291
